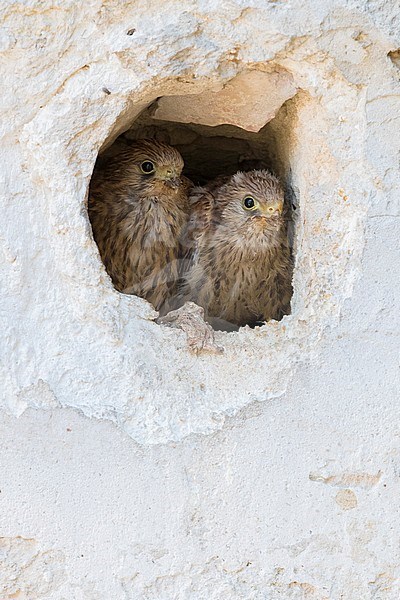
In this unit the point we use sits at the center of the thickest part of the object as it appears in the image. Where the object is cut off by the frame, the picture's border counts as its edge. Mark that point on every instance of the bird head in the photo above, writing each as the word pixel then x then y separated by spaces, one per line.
pixel 253 203
pixel 156 168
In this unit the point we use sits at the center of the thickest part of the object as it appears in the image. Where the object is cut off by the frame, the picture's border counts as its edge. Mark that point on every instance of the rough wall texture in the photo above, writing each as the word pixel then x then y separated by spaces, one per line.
pixel 270 470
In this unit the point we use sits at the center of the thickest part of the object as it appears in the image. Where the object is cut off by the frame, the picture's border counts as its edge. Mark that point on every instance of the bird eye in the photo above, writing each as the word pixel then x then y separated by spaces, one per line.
pixel 271 209
pixel 147 167
pixel 249 203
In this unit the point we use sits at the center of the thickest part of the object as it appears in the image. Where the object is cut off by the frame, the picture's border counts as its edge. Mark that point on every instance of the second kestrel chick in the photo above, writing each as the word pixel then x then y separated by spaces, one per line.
pixel 138 206
pixel 240 264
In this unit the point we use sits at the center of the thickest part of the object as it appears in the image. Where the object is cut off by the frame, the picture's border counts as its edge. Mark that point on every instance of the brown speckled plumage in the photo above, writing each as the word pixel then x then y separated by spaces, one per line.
pixel 241 266
pixel 137 219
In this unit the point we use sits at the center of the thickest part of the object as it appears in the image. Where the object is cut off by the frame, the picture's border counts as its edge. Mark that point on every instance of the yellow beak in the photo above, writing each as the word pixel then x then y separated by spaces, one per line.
pixel 267 212
pixel 170 177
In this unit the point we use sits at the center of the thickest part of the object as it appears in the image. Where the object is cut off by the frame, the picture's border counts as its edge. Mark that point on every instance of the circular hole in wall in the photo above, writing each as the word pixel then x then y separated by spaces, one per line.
pixel 210 151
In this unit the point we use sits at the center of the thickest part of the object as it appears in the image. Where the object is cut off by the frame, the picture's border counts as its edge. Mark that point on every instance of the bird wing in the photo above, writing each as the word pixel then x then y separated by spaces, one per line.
pixel 201 203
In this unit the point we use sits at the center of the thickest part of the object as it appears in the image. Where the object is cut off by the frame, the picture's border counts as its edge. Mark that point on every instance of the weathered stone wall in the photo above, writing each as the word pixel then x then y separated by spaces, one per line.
pixel 132 468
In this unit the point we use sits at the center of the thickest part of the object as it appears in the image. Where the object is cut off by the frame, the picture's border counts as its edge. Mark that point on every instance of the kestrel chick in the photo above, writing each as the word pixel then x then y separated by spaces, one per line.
pixel 138 206
pixel 241 266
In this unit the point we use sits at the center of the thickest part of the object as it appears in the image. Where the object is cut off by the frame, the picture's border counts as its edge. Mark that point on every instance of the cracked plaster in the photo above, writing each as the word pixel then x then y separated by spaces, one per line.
pixel 292 498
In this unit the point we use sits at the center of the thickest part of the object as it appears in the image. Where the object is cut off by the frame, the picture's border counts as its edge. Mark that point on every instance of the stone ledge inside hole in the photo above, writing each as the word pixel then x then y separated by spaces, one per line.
pixel 248 101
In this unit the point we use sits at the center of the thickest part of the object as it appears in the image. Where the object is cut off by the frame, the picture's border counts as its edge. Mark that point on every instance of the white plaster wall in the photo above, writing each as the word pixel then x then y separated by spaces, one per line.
pixel 131 469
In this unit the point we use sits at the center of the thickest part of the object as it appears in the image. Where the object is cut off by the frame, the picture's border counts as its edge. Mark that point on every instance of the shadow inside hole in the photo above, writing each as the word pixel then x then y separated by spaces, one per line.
pixel 210 151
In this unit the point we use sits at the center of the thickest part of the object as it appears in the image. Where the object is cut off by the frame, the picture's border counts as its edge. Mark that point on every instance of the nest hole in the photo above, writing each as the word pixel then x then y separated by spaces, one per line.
pixel 209 151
